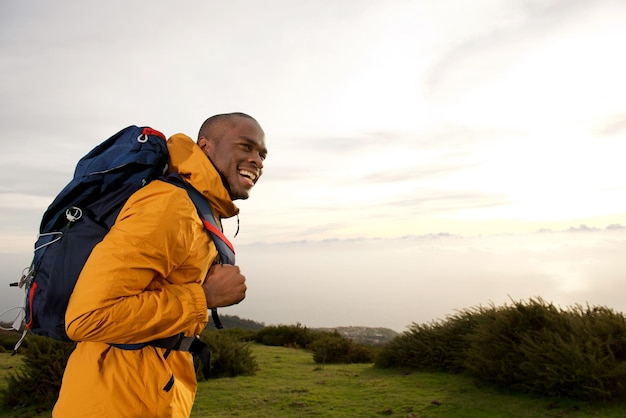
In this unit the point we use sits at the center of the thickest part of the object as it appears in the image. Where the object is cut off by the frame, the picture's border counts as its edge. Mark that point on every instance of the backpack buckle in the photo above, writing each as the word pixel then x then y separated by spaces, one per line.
pixel 73 213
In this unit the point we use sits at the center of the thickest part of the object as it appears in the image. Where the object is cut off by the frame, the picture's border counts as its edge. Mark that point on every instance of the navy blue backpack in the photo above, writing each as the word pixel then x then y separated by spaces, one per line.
pixel 84 211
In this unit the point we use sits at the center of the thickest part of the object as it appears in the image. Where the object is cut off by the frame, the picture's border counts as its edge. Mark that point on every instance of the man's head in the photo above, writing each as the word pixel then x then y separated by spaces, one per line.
pixel 235 144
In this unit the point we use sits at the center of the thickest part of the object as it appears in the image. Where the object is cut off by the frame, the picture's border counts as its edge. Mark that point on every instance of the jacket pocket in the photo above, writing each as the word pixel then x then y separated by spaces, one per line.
pixel 168 386
pixel 166 377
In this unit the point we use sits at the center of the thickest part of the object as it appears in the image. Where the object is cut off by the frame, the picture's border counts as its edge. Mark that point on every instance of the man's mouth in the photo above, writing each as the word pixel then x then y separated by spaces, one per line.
pixel 249 176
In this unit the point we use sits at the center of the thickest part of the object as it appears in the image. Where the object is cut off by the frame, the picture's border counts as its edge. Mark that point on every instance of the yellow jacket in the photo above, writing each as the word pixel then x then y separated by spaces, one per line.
pixel 141 283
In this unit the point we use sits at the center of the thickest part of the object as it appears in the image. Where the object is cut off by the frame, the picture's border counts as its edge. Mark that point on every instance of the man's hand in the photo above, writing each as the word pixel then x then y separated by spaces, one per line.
pixel 224 285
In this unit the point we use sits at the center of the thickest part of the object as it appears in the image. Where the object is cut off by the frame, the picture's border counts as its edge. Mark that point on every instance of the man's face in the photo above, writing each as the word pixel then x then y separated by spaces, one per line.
pixel 238 155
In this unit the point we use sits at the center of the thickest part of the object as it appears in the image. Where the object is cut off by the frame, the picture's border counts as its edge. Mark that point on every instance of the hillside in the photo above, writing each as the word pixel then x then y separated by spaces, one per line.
pixel 365 335
pixel 233 321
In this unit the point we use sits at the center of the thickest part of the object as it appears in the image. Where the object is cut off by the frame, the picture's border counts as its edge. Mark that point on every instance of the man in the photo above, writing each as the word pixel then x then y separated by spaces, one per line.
pixel 153 276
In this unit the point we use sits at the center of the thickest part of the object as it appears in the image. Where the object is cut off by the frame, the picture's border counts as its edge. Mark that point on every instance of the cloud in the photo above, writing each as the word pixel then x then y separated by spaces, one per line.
pixel 379 157
pixel 419 172
pixel 442 202
pixel 505 38
pixel 393 282
pixel 383 120
pixel 615 125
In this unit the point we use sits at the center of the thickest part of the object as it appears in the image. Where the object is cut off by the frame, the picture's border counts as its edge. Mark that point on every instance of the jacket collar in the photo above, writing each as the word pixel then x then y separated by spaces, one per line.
pixel 188 160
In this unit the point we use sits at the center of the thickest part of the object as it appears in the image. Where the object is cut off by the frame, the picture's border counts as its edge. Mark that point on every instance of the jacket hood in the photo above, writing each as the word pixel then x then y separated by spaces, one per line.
pixel 188 160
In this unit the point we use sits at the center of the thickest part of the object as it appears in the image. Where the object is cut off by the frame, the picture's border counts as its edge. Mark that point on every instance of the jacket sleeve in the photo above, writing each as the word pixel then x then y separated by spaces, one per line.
pixel 143 281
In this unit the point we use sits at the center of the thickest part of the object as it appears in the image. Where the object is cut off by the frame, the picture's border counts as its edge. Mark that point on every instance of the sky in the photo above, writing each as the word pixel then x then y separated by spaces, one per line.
pixel 424 157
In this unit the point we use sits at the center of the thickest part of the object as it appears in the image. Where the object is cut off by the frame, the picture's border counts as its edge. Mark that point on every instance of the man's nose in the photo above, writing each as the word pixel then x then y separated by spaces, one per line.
pixel 257 159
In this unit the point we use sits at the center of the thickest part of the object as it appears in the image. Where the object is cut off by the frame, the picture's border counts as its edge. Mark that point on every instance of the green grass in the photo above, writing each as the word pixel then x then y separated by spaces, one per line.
pixel 290 384
pixel 8 365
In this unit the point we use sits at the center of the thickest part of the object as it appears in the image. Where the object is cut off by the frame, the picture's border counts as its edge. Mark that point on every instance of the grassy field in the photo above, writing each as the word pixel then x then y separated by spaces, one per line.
pixel 290 384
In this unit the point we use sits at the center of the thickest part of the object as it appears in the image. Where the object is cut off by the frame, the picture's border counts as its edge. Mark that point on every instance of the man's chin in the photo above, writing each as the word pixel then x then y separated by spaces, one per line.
pixel 240 195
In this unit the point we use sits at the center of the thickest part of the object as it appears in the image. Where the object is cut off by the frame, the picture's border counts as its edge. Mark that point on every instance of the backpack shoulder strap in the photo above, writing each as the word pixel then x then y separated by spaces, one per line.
pixel 225 249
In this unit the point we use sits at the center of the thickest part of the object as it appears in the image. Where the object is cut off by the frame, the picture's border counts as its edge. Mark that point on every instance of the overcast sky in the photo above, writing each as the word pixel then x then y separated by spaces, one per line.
pixel 423 157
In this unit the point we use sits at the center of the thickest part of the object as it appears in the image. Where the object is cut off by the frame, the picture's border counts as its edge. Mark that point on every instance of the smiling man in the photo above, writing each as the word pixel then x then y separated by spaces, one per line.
pixel 155 276
pixel 235 143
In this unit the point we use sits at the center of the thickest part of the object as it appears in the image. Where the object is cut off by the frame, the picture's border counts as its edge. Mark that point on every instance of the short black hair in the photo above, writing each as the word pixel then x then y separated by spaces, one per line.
pixel 215 123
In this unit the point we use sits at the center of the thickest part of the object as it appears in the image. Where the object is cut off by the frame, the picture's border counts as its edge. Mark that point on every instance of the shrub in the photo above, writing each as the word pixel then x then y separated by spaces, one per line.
pixel 534 347
pixel 286 336
pixel 496 352
pixel 8 338
pixel 38 381
pixel 236 333
pixel 435 346
pixel 539 348
pixel 233 321
pixel 333 348
pixel 230 356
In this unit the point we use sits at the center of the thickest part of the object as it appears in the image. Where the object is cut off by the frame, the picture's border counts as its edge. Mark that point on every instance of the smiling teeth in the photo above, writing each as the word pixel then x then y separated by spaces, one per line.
pixel 249 174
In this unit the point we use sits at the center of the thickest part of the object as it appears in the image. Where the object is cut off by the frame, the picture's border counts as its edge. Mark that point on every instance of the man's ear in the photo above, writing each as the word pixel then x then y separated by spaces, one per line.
pixel 205 145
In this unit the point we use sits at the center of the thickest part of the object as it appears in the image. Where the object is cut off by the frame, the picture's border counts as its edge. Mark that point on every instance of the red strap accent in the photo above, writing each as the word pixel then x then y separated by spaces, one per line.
pixel 150 131
pixel 208 225
pixel 31 294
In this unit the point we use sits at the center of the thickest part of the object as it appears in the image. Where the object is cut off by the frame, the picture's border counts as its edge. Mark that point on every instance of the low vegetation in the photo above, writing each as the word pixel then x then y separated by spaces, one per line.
pixel 289 384
pixel 532 347
pixel 230 355
pixel 326 346
pixel 38 381
pixel 295 336
pixel 526 359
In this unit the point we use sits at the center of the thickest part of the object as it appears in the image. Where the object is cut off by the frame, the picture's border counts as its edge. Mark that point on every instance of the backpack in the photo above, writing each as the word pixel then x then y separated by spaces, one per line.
pixel 82 214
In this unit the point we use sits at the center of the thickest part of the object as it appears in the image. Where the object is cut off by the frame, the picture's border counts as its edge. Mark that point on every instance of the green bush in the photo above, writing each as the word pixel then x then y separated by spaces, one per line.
pixel 534 347
pixel 333 348
pixel 233 322
pixel 538 348
pixel 496 351
pixel 237 333
pixel 435 346
pixel 8 338
pixel 38 381
pixel 230 356
pixel 296 336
